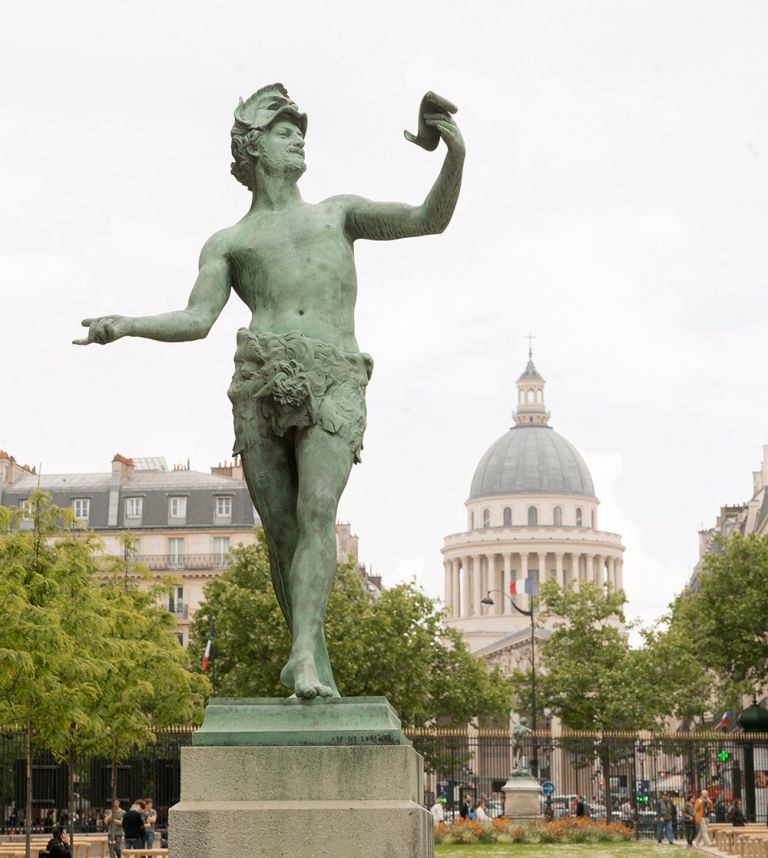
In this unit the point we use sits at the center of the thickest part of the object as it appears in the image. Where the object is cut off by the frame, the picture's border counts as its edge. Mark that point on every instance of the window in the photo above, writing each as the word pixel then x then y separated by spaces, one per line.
pixel 533 516
pixel 486 518
pixel 220 549
pixel 557 518
pixel 25 507
pixel 177 507
pixel 223 507
pixel 176 601
pixel 134 507
pixel 530 396
pixel 471 521
pixel 180 636
pixel 578 516
pixel 507 517
pixel 592 519
pixel 176 553
pixel 81 508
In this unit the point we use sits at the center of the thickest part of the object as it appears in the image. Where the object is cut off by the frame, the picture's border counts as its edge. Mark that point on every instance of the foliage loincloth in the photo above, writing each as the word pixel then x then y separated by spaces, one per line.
pixel 289 381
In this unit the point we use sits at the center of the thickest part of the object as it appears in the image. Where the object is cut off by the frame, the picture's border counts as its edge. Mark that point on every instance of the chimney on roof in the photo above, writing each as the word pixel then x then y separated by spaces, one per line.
pixel 10 470
pixel 122 466
pixel 232 469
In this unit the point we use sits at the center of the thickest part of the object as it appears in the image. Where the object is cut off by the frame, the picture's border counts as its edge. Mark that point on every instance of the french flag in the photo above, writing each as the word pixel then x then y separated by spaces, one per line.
pixel 727 715
pixel 526 585
pixel 208 650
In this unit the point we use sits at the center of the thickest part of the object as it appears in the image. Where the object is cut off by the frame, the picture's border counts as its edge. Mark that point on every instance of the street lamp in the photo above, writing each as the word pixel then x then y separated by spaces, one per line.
pixel 487 600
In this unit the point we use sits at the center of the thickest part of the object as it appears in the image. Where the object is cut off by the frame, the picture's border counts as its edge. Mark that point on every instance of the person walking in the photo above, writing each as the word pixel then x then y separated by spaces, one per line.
pixel 133 826
pixel 689 819
pixel 149 815
pixel 625 812
pixel 114 822
pixel 664 814
pixel 581 809
pixel 702 811
pixel 438 812
pixel 480 814
pixel 464 809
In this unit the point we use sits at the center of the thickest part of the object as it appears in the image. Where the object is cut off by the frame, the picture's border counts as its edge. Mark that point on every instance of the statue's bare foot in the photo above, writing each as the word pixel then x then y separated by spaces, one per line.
pixel 301 674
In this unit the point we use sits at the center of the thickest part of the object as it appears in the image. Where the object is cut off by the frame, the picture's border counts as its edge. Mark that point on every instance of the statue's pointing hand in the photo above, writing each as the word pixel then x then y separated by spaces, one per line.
pixel 103 330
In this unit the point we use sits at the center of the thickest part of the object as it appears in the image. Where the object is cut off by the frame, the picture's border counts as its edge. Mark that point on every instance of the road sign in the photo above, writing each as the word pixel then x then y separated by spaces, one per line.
pixel 548 788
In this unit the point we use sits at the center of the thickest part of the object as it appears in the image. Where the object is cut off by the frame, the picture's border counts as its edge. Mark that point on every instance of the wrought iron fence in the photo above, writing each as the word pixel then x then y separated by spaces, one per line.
pixel 620 775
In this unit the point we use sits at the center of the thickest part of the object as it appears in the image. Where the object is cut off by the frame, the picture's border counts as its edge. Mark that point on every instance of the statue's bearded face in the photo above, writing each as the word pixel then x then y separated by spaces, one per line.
pixel 281 150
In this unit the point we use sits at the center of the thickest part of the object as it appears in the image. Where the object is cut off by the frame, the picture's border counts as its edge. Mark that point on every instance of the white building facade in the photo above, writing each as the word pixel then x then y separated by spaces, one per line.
pixel 532 514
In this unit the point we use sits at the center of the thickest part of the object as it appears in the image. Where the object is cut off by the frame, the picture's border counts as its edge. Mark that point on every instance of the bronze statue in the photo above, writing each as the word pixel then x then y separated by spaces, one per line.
pixel 298 392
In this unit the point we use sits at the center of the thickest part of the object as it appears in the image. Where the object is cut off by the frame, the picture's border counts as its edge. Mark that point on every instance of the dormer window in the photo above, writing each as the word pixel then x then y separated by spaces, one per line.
pixel 533 516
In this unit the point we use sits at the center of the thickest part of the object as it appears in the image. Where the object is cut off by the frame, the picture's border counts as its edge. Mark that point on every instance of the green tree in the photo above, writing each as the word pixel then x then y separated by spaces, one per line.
pixel 719 631
pixel 53 632
pixel 395 645
pixel 587 673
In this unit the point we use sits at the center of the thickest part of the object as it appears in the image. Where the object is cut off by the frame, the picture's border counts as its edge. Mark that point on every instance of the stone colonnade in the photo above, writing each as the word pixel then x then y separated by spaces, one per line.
pixel 469 577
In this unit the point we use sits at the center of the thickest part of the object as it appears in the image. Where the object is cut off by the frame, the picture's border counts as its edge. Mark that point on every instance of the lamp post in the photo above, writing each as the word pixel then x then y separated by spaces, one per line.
pixel 487 600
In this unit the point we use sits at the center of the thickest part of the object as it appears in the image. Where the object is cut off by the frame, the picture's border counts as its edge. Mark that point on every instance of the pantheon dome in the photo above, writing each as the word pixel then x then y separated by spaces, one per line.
pixel 531 516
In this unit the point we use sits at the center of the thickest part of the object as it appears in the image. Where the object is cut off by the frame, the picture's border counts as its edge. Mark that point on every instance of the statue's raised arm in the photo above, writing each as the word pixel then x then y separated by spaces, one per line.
pixel 382 221
pixel 206 301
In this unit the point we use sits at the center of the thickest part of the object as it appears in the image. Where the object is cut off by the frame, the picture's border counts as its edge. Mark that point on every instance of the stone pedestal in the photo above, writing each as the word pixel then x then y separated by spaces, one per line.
pixel 522 798
pixel 322 793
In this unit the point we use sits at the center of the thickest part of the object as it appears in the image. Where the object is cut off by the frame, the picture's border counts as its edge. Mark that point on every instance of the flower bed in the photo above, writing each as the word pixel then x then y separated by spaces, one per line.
pixel 566 829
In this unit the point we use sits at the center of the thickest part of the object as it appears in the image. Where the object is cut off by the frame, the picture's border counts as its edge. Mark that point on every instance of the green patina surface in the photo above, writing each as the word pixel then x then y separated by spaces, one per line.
pixel 299 387
pixel 293 721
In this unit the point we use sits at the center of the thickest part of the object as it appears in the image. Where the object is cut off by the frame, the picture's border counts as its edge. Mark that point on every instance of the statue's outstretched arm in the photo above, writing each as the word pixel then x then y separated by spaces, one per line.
pixel 386 221
pixel 206 301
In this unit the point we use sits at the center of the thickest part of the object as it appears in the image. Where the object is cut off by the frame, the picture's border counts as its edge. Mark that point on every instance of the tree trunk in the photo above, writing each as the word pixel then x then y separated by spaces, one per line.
pixel 71 792
pixel 28 807
pixel 113 775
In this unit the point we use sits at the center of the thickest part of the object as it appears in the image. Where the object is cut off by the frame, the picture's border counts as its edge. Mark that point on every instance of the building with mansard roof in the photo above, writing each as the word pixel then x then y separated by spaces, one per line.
pixel 532 515
pixel 182 522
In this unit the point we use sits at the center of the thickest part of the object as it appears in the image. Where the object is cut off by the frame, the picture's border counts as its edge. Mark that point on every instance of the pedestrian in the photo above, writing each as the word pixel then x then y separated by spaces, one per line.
pixel 625 811
pixel 133 826
pixel 736 814
pixel 150 818
pixel 689 819
pixel 114 822
pixel 58 845
pixel 580 806
pixel 702 811
pixel 438 812
pixel 480 814
pixel 664 813
pixel 464 809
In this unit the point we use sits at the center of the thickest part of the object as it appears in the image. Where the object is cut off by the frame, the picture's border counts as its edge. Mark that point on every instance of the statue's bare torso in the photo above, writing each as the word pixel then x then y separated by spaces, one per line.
pixel 295 270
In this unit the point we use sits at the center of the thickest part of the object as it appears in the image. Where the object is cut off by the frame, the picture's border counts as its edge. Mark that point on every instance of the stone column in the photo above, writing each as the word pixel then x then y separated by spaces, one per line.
pixel 589 569
pixel 466 593
pixel 522 600
pixel 559 568
pixel 477 584
pixel 542 567
pixel 493 582
pixel 620 573
pixel 447 585
pixel 501 604
pixel 599 574
pixel 575 571
pixel 456 587
pixel 611 573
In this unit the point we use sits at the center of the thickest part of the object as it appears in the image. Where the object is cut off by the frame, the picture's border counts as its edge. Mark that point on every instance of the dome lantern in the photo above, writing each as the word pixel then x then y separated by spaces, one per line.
pixel 530 395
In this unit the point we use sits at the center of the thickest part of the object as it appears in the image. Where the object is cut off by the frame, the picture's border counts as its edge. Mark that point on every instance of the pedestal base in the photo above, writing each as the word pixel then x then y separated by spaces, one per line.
pixel 317 801
pixel 522 798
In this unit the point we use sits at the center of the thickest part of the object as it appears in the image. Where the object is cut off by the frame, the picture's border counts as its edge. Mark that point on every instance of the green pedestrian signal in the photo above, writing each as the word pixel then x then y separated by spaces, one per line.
pixel 723 755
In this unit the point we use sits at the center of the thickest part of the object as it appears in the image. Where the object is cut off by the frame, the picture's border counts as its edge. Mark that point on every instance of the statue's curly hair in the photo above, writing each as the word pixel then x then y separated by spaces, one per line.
pixel 245 135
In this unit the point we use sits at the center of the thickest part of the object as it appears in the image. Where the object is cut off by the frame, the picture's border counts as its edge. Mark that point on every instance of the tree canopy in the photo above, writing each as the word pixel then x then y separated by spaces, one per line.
pixel 395 645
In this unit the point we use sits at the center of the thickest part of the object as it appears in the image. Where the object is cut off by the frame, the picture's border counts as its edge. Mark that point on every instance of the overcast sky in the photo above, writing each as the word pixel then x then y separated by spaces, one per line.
pixel 614 203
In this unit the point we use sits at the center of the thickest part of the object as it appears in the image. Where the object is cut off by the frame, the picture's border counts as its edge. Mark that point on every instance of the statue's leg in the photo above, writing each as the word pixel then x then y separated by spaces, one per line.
pixel 269 467
pixel 323 462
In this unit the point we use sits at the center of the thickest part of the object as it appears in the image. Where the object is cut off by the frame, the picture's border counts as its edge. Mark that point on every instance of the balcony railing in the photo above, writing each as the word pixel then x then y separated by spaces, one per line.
pixel 181 612
pixel 174 562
